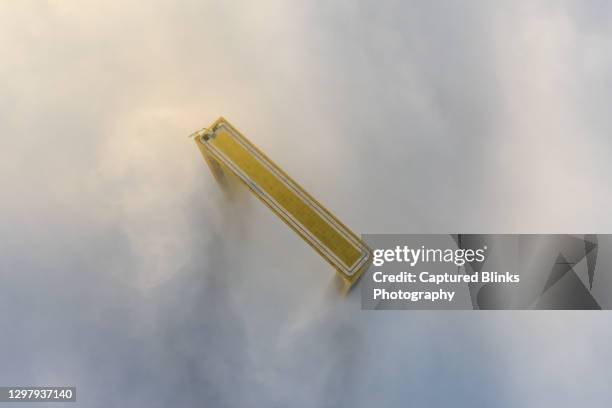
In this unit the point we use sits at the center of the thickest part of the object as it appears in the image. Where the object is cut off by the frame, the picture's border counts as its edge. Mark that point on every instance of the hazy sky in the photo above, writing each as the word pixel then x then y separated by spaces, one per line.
pixel 124 270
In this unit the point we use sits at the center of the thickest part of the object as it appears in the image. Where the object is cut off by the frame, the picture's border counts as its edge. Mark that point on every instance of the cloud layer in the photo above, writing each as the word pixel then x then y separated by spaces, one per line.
pixel 126 273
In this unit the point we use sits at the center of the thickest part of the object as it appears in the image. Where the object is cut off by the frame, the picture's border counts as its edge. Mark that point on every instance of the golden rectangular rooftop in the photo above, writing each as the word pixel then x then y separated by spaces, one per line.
pixel 224 147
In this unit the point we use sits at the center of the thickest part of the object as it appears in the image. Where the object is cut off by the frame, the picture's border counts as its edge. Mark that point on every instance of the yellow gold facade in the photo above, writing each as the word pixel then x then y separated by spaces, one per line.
pixel 225 149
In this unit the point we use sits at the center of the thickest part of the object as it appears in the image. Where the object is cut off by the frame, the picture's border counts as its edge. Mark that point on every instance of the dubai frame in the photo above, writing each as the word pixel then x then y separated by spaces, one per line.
pixel 228 152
